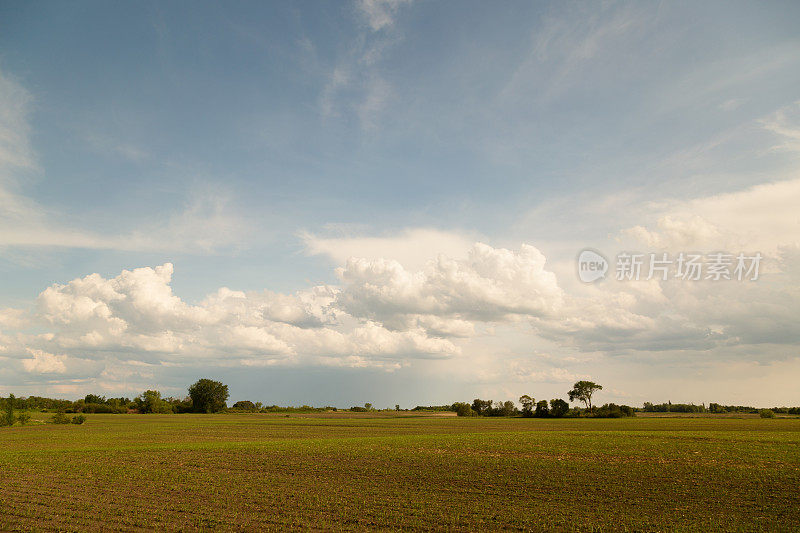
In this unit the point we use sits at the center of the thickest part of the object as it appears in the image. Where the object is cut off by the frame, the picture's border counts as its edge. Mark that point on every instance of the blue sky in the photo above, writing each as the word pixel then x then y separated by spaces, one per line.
pixel 259 147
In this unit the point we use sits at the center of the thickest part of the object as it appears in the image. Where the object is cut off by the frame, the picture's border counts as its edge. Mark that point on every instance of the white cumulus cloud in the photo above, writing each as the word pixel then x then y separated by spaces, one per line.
pixel 491 284
pixel 44 363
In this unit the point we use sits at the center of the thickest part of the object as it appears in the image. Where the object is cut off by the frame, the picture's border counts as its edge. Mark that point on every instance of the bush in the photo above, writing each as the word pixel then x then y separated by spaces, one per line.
pixel 59 418
pixel 432 408
pixel 150 402
pixel 8 416
pixel 290 409
pixel 670 407
pixel 462 409
pixel 244 405
pixel 612 410
pixel 100 408
pixel 23 418
pixel 181 406
pixel 94 398
pixel 766 413
pixel 80 419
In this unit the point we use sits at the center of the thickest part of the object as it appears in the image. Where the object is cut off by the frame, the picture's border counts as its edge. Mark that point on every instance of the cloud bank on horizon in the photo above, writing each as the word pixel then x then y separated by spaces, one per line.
pixel 437 188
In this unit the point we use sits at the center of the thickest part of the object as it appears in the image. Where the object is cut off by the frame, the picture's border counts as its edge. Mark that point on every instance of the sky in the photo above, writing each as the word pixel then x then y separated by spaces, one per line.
pixel 334 203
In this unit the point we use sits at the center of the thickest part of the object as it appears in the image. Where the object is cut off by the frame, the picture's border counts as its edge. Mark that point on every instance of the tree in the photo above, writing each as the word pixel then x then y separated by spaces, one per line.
pixel 527 405
pixel 506 408
pixel 368 406
pixel 482 407
pixel 244 405
pixel 8 415
pixel 150 402
pixel 94 398
pixel 59 418
pixel 542 410
pixel 24 418
pixel 612 410
pixel 583 391
pixel 208 396
pixel 462 409
pixel 558 408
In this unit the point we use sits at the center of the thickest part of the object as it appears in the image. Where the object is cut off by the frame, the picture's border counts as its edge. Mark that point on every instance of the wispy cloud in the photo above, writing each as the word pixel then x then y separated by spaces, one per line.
pixel 126 150
pixel 379 14
pixel 355 84
pixel 205 224
pixel 377 95
pixel 565 43
pixel 785 123
pixel 412 247
pixel 15 147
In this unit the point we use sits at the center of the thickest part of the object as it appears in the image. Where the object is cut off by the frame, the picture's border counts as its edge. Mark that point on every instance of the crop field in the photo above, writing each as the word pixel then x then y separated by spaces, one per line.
pixel 339 472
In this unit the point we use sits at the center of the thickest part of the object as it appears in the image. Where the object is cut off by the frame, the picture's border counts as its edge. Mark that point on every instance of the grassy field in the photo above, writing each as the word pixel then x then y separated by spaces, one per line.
pixel 168 472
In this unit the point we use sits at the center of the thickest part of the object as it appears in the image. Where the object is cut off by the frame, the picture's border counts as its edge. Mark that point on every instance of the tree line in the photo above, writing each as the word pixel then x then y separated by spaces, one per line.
pixel 210 396
pixel 713 408
pixel 9 416
pixel 582 391
pixel 205 396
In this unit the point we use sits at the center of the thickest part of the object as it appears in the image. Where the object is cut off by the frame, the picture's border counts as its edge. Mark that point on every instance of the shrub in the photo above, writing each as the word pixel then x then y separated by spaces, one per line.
pixel 181 405
pixel 482 407
pixel 766 413
pixel 150 402
pixel 59 418
pixel 94 398
pixel 612 410
pixel 8 416
pixel 244 405
pixel 101 408
pixel 23 418
pixel 463 409
pixel 80 419
pixel 433 408
pixel 670 407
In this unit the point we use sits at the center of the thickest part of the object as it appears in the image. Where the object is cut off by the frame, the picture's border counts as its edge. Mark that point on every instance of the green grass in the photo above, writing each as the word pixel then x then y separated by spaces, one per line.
pixel 169 472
